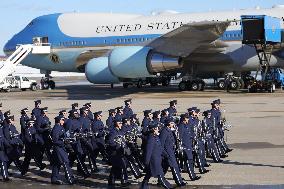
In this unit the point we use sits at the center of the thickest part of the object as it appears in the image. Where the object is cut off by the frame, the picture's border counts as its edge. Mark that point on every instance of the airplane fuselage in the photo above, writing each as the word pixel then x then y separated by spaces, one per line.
pixel 76 38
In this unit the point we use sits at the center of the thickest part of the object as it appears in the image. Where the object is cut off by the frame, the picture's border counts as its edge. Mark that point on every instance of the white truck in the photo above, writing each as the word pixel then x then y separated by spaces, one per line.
pixel 18 82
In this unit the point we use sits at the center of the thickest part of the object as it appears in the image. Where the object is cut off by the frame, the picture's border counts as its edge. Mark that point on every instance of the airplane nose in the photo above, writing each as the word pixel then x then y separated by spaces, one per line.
pixel 9 47
pixel 5 49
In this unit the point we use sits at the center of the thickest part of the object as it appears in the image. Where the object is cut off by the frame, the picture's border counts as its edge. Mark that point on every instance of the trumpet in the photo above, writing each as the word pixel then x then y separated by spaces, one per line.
pixel 223 121
pixel 120 140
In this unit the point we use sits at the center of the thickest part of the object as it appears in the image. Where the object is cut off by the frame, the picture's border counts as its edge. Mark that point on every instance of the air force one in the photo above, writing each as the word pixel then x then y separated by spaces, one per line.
pixel 112 48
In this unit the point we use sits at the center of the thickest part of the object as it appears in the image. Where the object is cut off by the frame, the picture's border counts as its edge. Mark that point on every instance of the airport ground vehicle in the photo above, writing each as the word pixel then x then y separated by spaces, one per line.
pixel 244 81
pixel 18 82
pixel 247 80
pixel 277 76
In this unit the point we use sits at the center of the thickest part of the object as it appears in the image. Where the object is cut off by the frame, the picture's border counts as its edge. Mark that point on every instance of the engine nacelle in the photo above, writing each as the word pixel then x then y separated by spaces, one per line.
pixel 97 71
pixel 137 61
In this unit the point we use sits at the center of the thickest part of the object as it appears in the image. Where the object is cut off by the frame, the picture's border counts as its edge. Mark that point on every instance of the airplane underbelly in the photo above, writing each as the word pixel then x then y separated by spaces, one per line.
pixel 235 57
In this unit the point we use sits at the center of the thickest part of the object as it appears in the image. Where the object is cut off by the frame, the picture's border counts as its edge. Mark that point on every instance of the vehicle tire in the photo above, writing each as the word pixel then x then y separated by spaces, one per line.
pixel 153 84
pixel 195 86
pixel 8 90
pixel 272 88
pixel 253 89
pixel 201 85
pixel 125 85
pixel 139 84
pixel 234 85
pixel 242 83
pixel 221 84
pixel 33 87
pixel 166 83
pixel 51 84
pixel 182 86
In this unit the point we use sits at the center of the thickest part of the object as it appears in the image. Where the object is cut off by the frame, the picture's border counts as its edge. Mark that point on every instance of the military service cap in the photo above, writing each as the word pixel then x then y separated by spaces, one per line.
pixel 173 102
pixel 146 112
pixel 37 101
pixel 127 100
pixel 152 125
pixel 58 118
pixel 98 113
pixel 111 110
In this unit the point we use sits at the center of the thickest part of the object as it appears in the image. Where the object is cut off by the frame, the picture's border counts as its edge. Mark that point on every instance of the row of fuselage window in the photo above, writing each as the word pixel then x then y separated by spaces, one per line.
pixel 236 23
pixel 233 35
pixel 124 40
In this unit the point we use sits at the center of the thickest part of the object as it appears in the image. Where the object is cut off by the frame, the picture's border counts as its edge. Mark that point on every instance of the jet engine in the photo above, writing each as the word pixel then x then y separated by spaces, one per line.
pixel 137 61
pixel 97 71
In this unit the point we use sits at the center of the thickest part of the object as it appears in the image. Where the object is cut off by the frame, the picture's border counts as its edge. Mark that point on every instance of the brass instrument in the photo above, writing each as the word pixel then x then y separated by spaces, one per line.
pixel 223 121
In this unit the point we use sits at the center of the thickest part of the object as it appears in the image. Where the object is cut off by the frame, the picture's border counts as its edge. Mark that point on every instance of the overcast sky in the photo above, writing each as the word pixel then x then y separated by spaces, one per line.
pixel 16 14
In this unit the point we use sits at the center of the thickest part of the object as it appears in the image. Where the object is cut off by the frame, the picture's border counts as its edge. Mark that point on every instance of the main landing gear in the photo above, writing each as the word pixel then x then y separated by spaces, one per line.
pixel 191 85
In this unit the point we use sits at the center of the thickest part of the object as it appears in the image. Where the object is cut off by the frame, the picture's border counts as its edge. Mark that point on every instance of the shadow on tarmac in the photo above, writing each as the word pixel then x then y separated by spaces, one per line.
pixel 105 92
pixel 255 145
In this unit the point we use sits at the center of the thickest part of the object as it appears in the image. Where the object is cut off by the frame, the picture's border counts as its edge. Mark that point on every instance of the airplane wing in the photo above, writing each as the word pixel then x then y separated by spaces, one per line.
pixel 187 38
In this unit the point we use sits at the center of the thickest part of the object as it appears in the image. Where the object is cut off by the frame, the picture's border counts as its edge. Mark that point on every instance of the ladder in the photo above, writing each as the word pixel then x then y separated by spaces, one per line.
pixel 264 53
pixel 9 66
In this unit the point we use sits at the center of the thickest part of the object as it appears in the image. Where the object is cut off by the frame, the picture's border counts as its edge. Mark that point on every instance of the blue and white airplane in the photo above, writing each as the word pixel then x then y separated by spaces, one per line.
pixel 111 48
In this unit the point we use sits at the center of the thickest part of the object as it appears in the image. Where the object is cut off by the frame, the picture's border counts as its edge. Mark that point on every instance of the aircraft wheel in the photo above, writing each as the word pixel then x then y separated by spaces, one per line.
pixel 51 84
pixel 195 86
pixel 242 83
pixel 166 83
pixel 182 86
pixel 139 84
pixel 125 85
pixel 201 85
pixel 153 84
pixel 221 84
pixel 234 85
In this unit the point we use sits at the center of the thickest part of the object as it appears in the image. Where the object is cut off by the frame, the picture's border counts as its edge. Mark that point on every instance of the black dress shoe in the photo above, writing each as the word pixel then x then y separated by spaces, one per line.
pixel 207 165
pixel 197 178
pixel 219 161
pixel 181 184
pixel 229 150
pixel 57 182
pixel 223 156
pixel 205 171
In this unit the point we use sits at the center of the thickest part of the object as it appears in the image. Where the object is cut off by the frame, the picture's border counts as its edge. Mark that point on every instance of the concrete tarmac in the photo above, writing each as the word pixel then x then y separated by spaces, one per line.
pixel 257 135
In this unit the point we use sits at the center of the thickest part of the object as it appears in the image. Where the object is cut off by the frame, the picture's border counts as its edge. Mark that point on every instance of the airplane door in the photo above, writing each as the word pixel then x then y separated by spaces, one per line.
pixel 40 40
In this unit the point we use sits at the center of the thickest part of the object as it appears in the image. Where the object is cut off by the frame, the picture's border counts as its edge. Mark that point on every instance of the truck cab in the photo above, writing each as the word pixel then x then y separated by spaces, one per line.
pixel 24 83
pixel 17 82
pixel 276 75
